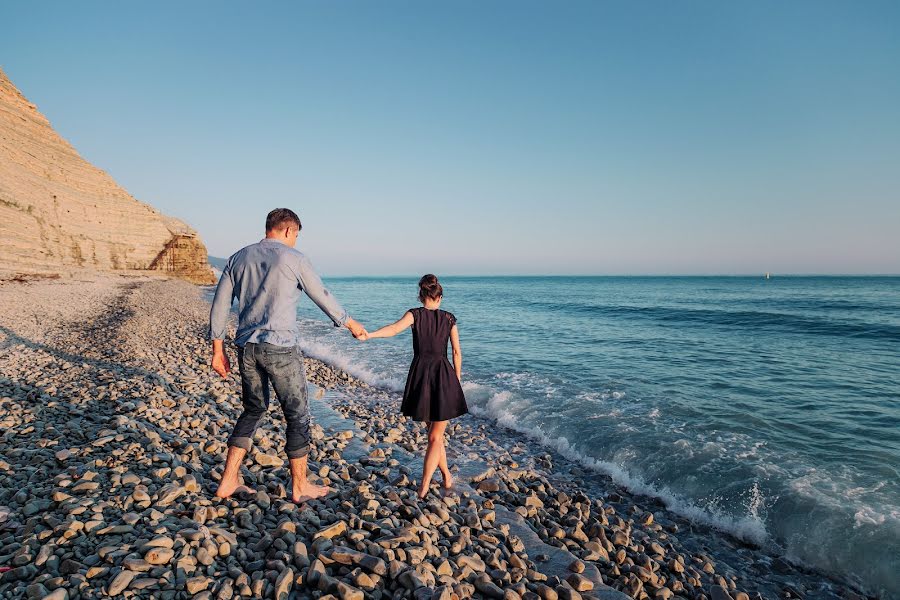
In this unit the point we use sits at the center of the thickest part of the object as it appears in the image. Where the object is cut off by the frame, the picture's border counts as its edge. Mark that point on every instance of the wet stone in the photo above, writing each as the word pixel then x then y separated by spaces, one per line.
pixel 717 592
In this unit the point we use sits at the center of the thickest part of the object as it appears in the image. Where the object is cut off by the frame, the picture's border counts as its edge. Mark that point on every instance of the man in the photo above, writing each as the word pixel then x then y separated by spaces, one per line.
pixel 267 279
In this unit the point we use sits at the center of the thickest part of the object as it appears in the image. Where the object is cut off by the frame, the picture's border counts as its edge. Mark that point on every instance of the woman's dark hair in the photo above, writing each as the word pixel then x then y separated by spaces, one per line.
pixel 281 218
pixel 430 288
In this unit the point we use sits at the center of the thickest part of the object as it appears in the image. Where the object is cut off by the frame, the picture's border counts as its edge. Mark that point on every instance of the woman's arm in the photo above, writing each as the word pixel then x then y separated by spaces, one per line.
pixel 457 352
pixel 394 328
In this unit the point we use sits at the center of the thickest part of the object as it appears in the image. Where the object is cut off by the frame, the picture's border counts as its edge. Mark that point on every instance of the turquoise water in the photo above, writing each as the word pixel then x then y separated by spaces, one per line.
pixel 769 409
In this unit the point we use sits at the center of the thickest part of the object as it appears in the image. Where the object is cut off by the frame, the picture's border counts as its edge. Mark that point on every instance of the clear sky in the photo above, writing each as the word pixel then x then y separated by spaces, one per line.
pixel 483 137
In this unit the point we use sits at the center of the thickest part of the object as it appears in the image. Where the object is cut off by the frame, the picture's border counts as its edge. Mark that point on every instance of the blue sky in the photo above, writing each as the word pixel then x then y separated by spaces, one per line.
pixel 492 137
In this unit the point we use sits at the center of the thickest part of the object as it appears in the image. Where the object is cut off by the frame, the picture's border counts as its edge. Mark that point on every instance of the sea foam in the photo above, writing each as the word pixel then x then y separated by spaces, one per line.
pixel 340 360
pixel 497 404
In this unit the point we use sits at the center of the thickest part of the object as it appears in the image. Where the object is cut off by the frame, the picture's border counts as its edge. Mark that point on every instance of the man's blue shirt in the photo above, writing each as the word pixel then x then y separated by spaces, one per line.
pixel 267 278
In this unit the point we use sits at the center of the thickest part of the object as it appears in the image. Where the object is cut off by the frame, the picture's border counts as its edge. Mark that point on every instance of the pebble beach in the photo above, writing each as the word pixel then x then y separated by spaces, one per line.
pixel 112 438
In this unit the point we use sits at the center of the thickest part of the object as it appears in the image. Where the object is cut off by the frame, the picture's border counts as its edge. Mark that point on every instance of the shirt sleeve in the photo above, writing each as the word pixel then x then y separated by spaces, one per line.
pixel 221 306
pixel 313 287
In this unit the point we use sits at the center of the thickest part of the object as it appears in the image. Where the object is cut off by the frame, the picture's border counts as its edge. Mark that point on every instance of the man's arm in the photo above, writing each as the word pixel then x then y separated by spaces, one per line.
pixel 220 362
pixel 312 286
pixel 218 321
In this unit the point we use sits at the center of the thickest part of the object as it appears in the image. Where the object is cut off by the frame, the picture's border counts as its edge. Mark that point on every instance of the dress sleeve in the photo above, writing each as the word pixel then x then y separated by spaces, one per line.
pixel 452 318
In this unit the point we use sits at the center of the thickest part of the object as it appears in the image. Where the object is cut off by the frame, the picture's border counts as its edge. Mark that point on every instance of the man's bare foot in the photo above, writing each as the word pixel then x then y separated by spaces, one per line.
pixel 227 488
pixel 309 491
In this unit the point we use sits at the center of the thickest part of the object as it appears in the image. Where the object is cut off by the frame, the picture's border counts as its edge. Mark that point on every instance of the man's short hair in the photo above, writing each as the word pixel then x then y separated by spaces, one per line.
pixel 280 218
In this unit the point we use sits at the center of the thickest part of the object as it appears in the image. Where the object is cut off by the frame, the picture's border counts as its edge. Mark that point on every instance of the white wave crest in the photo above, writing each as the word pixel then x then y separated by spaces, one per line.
pixel 339 360
pixel 497 406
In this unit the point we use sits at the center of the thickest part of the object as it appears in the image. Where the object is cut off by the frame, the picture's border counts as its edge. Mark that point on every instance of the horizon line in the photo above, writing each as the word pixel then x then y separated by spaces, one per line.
pixel 761 274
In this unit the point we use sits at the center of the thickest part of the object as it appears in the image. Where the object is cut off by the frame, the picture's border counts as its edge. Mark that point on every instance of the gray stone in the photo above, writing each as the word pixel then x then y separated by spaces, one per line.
pixel 169 493
pixel 268 460
pixel 332 531
pixel 159 556
pixel 119 583
pixel 580 583
pixel 717 592
pixel 488 588
pixel 197 584
pixel 473 562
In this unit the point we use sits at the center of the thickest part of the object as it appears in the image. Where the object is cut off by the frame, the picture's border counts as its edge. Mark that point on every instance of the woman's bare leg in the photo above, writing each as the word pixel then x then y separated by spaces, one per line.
pixel 432 454
pixel 445 470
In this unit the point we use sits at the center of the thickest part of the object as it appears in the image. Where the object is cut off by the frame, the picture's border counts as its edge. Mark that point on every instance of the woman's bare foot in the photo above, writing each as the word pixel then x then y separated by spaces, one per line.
pixel 423 492
pixel 448 481
pixel 309 491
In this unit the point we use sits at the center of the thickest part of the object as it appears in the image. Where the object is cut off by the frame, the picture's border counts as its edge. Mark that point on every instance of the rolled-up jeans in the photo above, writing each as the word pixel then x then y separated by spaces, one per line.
pixel 261 364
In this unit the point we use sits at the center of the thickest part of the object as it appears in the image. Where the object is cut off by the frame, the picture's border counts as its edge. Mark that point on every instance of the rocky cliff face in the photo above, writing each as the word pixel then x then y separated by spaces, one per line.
pixel 59 213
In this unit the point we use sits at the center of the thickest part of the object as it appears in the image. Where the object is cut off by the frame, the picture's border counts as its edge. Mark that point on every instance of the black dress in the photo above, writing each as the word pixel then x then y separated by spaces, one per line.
pixel 433 392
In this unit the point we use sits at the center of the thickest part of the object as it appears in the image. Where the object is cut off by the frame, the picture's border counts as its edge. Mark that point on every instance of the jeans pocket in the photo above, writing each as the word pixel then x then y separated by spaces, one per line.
pixel 278 350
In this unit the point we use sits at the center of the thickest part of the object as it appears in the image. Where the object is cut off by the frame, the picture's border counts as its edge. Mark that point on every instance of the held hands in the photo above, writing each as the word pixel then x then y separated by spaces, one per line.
pixel 358 331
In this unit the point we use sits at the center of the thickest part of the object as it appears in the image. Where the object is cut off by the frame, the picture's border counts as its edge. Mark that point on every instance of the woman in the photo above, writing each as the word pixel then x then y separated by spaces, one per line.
pixel 433 392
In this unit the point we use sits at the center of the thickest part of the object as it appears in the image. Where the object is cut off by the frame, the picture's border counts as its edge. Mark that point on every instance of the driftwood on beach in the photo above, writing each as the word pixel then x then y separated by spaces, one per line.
pixel 113 430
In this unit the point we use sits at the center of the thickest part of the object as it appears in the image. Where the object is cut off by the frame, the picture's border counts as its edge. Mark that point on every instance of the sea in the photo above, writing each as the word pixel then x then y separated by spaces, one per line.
pixel 766 408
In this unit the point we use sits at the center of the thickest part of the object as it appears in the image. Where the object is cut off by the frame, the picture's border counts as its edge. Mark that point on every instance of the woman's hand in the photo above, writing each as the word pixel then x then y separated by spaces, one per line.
pixel 356 329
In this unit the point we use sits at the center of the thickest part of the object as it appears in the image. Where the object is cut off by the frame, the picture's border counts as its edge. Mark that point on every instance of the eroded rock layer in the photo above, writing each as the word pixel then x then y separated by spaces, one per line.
pixel 59 213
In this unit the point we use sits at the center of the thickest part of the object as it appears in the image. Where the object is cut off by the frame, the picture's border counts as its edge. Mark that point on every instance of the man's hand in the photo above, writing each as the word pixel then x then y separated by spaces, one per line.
pixel 358 331
pixel 220 362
